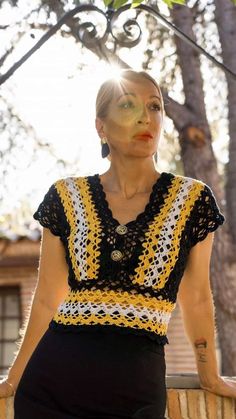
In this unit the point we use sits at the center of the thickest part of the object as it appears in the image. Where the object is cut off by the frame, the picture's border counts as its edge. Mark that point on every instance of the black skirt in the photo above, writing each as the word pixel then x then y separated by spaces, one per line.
pixel 88 375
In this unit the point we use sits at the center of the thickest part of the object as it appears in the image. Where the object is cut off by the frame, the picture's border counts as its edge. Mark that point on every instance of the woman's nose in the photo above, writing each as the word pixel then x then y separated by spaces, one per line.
pixel 143 116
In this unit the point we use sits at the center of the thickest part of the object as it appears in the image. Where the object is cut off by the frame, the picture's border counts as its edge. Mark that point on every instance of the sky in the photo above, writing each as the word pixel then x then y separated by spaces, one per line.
pixel 58 101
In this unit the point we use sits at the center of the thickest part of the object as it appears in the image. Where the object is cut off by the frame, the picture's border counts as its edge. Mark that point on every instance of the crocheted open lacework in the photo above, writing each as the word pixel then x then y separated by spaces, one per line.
pixel 137 293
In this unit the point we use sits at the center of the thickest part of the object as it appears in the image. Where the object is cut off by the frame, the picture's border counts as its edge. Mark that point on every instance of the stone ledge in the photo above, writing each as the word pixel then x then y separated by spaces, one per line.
pixel 187 381
pixel 185 400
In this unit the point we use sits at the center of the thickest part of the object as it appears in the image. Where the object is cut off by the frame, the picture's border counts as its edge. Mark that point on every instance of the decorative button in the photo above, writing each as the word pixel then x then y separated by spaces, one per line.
pixel 116 255
pixel 121 229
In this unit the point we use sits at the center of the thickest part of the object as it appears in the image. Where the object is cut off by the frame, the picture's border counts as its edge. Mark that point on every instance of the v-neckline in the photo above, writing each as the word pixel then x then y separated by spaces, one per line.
pixel 139 215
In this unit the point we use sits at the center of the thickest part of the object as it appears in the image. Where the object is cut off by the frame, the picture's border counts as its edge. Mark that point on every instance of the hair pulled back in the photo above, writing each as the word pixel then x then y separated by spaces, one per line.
pixel 111 86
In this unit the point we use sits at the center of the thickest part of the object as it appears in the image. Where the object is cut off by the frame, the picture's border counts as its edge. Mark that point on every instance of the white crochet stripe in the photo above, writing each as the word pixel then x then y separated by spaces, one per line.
pixel 80 235
pixel 167 233
pixel 80 308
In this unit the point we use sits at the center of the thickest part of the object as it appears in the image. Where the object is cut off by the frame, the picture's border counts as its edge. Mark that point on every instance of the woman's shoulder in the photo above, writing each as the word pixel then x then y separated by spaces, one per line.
pixel 70 181
pixel 203 197
pixel 188 180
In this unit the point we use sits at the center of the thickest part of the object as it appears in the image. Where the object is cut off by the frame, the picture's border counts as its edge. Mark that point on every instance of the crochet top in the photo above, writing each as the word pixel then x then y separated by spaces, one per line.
pixel 125 278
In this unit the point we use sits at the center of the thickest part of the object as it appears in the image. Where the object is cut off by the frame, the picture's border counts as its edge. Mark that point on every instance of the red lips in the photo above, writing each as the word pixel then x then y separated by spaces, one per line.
pixel 145 135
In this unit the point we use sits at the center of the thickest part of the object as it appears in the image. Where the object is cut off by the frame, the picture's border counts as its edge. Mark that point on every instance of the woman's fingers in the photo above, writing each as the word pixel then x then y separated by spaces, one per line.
pixel 224 387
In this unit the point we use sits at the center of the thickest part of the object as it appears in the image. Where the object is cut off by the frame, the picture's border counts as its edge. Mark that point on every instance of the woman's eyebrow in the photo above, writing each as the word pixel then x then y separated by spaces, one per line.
pixel 133 94
pixel 157 97
pixel 125 94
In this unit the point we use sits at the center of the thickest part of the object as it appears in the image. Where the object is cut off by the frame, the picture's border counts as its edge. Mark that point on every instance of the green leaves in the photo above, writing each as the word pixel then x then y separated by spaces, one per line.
pixel 119 3
pixel 134 3
pixel 107 2
pixel 170 3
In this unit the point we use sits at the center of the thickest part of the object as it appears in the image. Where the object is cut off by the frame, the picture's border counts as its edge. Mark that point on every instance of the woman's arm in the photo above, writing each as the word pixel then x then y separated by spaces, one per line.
pixel 50 291
pixel 196 303
pixel 197 307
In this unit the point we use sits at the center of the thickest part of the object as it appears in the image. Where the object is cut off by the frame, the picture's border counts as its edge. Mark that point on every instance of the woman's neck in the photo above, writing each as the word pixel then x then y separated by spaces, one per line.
pixel 129 180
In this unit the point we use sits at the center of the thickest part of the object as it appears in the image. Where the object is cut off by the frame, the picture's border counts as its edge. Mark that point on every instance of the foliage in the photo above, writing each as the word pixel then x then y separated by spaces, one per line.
pixel 134 3
pixel 118 3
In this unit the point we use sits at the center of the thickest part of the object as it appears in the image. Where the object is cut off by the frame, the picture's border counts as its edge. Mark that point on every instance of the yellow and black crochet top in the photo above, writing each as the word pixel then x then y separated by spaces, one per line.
pixel 126 277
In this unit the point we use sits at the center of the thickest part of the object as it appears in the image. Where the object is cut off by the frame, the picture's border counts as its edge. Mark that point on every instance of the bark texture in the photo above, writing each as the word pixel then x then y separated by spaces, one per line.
pixel 199 162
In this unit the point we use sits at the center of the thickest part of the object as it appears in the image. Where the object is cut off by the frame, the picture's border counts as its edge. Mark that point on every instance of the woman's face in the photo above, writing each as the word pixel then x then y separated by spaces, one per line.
pixel 134 120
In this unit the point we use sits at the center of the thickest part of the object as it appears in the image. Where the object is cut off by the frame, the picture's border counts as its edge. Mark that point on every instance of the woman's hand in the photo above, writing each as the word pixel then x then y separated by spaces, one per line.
pixel 6 390
pixel 222 387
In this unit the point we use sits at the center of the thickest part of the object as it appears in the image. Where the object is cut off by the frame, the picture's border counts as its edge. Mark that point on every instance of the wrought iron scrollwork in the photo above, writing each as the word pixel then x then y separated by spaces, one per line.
pixel 87 31
pixel 128 34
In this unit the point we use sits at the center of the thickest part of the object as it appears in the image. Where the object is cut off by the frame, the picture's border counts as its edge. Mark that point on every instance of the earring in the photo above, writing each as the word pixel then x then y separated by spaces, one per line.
pixel 105 148
pixel 156 156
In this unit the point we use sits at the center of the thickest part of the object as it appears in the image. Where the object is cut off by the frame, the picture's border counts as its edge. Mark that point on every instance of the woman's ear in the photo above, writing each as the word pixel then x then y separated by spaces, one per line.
pixel 99 127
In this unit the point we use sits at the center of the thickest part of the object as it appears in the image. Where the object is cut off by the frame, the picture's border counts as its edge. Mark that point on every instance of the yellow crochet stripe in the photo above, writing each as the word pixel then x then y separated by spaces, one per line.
pixel 93 231
pixel 153 232
pixel 71 217
pixel 92 221
pixel 122 298
pixel 107 319
pixel 184 214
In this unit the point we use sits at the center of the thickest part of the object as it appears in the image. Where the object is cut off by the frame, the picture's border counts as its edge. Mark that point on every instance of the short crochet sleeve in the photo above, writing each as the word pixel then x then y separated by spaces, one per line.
pixel 206 216
pixel 50 212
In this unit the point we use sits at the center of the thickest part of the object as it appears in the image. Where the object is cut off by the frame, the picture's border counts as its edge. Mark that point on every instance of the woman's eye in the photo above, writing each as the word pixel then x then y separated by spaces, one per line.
pixel 156 107
pixel 126 105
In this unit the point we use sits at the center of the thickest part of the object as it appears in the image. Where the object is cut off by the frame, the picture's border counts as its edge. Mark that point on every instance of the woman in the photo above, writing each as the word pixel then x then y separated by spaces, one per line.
pixel 116 249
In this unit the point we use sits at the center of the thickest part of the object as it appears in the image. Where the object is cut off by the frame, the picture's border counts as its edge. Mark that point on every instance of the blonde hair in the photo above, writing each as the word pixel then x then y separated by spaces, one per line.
pixel 109 88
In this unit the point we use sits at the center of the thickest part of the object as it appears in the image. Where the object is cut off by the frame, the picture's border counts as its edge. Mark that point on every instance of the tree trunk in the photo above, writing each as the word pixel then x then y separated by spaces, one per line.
pixel 199 162
pixel 225 17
